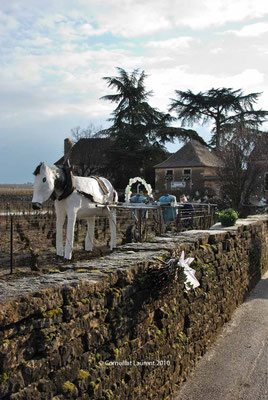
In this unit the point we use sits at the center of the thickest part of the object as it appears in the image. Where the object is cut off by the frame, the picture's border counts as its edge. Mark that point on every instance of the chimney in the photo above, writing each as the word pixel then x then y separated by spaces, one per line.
pixel 67 146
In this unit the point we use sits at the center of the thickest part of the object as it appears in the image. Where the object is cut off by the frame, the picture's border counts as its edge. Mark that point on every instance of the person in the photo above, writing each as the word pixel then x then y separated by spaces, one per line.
pixel 169 213
pixel 187 213
pixel 139 198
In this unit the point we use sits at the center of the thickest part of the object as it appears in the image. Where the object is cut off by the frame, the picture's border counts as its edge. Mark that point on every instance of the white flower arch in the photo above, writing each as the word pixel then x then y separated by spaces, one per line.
pixel 128 191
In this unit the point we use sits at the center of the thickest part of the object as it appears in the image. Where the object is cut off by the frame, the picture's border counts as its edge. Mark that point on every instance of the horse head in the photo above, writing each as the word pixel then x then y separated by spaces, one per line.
pixel 44 183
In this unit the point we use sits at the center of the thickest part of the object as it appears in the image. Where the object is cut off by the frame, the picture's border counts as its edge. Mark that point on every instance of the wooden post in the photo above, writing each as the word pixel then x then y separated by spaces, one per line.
pixel 140 224
pixel 7 214
pixel 11 244
pixel 161 220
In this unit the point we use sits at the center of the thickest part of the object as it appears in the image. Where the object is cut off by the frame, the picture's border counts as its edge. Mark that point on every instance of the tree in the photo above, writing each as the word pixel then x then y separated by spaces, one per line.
pixel 239 172
pixel 133 113
pixel 91 131
pixel 88 157
pixel 223 106
pixel 137 129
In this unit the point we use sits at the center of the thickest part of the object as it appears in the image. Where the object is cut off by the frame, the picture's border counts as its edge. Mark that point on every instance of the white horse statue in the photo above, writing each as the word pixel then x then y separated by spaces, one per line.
pixel 75 197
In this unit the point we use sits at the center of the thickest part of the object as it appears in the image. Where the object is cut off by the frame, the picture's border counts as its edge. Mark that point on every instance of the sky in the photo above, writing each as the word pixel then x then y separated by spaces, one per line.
pixel 54 54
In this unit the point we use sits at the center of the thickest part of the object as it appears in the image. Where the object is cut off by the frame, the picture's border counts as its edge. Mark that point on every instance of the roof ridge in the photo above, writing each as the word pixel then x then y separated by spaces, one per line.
pixel 192 154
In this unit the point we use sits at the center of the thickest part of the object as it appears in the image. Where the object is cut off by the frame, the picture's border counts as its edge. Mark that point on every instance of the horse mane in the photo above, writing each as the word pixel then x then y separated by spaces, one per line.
pixel 37 169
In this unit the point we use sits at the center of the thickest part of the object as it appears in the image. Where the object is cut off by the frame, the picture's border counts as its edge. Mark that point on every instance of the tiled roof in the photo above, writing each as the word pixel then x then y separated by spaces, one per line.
pixel 97 147
pixel 192 154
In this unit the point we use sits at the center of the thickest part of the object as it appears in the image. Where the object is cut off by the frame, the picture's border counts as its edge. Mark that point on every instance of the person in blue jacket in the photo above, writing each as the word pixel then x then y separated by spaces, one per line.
pixel 169 213
pixel 139 198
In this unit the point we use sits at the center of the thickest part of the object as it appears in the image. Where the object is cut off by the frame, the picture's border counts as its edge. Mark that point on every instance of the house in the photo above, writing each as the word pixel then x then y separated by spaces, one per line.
pixel 191 169
pixel 88 156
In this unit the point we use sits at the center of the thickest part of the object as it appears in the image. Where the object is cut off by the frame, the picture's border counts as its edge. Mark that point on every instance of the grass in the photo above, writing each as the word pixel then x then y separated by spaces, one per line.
pixel 15 190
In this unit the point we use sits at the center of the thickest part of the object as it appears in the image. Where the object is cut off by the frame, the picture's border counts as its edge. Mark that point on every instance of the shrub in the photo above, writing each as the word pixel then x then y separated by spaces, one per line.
pixel 228 217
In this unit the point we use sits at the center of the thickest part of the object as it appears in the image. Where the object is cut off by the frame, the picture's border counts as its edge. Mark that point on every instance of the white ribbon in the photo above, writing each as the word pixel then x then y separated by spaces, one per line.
pixel 191 281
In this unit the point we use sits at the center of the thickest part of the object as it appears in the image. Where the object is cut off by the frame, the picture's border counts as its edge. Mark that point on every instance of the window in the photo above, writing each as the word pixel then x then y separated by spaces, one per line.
pixel 169 172
pixel 187 174
pixel 187 171
pixel 169 175
pixel 266 181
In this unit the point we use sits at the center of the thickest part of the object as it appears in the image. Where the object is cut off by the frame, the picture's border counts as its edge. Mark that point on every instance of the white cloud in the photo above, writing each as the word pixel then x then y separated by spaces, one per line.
pixel 131 18
pixel 89 30
pixel 67 31
pixel 179 43
pixel 252 30
pixel 208 13
pixel 217 50
pixel 69 47
pixel 23 72
pixel 249 79
pixel 37 42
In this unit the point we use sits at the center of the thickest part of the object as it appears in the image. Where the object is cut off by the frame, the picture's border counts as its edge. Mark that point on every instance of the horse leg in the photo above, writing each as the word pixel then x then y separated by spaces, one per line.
pixel 69 236
pixel 112 223
pixel 61 215
pixel 90 233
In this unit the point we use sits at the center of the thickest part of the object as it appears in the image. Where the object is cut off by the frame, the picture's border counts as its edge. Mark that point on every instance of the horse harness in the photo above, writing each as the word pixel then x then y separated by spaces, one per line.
pixel 102 186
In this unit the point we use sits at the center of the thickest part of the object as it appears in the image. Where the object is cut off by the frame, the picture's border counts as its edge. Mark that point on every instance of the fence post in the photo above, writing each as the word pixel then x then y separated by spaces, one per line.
pixel 139 212
pixel 161 220
pixel 7 214
pixel 11 244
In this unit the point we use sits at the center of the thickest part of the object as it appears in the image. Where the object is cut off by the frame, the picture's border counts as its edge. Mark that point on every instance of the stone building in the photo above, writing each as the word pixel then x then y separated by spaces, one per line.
pixel 88 156
pixel 191 169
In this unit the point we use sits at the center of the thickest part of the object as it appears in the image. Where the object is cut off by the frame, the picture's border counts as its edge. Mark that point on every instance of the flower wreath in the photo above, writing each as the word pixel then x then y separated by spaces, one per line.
pixel 128 191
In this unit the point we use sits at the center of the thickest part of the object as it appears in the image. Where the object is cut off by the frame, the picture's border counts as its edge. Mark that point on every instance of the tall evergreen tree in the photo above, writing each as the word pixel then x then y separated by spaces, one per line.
pixel 137 128
pixel 133 112
pixel 223 106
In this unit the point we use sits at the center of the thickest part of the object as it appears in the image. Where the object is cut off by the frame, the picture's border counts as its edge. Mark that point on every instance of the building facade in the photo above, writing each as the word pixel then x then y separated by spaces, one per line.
pixel 193 168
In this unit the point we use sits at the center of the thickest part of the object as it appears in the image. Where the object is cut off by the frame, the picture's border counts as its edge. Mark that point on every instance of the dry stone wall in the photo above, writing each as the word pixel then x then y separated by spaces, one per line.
pixel 106 329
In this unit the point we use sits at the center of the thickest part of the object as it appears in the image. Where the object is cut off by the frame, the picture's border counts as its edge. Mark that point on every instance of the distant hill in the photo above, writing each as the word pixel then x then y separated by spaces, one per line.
pixel 16 185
